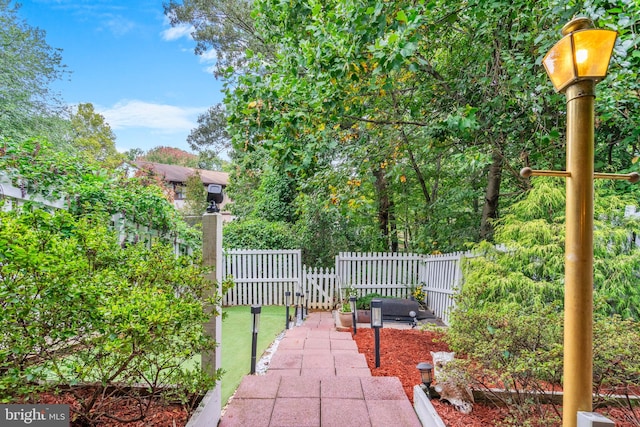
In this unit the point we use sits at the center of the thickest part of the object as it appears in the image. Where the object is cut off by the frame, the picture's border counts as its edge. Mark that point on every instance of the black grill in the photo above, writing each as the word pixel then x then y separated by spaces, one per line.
pixel 399 309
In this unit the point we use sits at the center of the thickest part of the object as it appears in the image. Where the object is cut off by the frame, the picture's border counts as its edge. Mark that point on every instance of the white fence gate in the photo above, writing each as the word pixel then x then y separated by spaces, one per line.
pixel 261 276
pixel 319 287
pixel 441 277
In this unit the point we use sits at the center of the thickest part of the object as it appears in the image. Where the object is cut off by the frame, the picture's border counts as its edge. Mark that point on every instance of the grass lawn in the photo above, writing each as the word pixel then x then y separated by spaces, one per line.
pixel 236 342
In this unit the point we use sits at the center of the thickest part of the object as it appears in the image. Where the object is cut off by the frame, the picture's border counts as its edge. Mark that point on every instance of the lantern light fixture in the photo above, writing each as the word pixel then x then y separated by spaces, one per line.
pixel 376 313
pixel 582 54
pixel 255 323
pixel 287 295
pixel 376 324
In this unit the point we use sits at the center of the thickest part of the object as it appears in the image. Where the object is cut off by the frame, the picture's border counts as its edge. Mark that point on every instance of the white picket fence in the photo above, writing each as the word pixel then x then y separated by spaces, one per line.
pixel 263 277
pixel 388 274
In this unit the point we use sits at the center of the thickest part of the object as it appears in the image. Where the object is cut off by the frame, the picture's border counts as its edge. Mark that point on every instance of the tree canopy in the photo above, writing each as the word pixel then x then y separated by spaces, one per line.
pixel 28 66
pixel 416 116
pixel 93 138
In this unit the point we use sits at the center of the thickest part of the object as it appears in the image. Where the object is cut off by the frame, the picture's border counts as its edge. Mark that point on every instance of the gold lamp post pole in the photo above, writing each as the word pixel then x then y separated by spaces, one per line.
pixel 578 289
pixel 575 64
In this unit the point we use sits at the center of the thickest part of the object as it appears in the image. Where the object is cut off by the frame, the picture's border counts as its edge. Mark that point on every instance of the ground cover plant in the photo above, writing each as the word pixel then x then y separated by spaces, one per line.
pixel 78 308
pixel 402 349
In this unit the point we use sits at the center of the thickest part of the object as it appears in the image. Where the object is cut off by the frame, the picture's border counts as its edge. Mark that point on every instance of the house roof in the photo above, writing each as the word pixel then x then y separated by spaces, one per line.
pixel 175 173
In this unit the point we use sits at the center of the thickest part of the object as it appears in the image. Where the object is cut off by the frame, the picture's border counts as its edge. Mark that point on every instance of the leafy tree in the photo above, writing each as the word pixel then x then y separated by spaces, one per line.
pixel 170 156
pixel 210 138
pixel 508 316
pixel 28 65
pixel 226 26
pixel 435 124
pixel 430 100
pixel 195 196
pixel 274 198
pixel 528 265
pixel 134 153
pixel 324 230
pixel 93 137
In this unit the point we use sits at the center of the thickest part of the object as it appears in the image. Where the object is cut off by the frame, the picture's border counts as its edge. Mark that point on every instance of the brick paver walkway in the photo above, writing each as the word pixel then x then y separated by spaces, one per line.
pixel 317 378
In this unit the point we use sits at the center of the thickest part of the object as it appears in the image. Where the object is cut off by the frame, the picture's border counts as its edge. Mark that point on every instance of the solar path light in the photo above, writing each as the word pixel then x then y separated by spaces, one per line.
pixel 376 324
pixel 255 323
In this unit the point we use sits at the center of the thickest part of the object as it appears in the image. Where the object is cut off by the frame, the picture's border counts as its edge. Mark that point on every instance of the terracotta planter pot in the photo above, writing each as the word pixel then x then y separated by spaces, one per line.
pixel 346 319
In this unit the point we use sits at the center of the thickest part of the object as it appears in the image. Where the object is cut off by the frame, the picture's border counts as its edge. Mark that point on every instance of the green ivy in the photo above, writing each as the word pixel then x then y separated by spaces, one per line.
pixel 39 168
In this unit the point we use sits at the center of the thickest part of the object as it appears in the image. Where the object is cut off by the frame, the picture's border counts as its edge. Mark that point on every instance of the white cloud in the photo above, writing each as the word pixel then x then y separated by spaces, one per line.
pixel 118 25
pixel 158 117
pixel 175 33
pixel 209 56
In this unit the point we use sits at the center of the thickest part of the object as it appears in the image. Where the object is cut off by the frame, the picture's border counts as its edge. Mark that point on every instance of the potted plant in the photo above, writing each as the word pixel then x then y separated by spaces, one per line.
pixel 344 311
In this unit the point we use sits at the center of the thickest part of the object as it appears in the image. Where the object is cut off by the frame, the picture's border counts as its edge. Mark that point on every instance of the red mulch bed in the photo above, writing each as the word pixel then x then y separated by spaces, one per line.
pixel 158 414
pixel 402 349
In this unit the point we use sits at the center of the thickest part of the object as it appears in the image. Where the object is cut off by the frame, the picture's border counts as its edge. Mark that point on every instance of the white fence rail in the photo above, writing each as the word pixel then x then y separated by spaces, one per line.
pixel 263 276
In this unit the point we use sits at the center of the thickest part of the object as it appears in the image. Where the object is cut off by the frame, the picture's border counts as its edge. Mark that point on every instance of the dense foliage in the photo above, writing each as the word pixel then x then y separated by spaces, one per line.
pixel 170 156
pixel 28 65
pixel 509 312
pixel 258 234
pixel 78 307
pixel 93 138
pixel 413 116
pixel 40 169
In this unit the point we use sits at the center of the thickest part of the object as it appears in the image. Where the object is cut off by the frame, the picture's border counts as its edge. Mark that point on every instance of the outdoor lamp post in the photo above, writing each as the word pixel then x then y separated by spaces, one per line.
pixel 255 314
pixel 287 294
pixel 426 375
pixel 376 324
pixel 298 314
pixel 574 65
pixel 352 303
pixel 214 197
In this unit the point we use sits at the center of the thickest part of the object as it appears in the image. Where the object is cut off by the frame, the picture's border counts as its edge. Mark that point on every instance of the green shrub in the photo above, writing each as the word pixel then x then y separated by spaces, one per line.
pixel 508 317
pixel 259 234
pixel 79 308
pixel 364 302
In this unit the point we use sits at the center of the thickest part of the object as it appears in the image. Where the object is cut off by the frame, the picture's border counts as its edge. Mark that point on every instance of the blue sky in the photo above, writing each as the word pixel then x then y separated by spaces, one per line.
pixel 126 59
